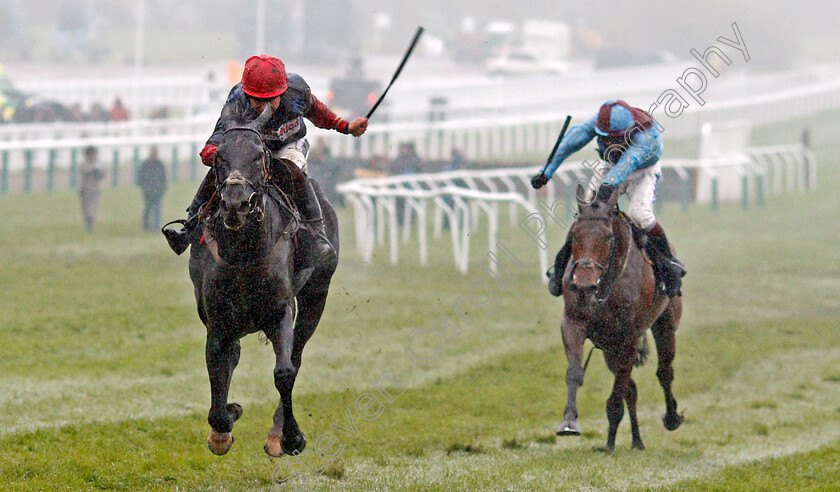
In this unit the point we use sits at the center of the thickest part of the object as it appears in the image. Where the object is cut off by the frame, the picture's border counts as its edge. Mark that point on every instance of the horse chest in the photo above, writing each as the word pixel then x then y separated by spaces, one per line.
pixel 246 296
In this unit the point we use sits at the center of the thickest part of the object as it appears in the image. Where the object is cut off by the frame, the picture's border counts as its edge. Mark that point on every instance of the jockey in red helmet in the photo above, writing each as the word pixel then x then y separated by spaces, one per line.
pixel 266 83
pixel 630 146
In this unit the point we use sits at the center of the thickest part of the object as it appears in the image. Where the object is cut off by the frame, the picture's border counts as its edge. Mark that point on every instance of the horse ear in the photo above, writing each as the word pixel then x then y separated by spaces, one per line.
pixel 262 119
pixel 227 117
pixel 613 200
pixel 580 196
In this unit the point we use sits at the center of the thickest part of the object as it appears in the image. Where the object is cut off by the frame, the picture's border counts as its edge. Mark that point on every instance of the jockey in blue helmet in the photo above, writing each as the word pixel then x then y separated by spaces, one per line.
pixel 630 146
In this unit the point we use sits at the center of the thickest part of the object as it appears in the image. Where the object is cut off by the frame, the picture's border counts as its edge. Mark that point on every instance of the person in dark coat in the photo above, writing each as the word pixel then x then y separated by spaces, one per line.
pixel 151 178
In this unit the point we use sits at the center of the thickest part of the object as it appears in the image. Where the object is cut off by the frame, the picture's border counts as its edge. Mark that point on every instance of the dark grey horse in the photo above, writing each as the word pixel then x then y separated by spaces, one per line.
pixel 247 280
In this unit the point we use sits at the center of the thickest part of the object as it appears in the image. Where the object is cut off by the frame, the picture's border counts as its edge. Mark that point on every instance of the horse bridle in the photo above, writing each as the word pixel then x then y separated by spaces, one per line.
pixel 255 200
pixel 267 181
pixel 590 262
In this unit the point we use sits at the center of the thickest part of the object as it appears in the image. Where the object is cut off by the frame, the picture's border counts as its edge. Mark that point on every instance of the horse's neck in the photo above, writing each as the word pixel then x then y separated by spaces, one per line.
pixel 624 245
pixel 275 226
pixel 253 241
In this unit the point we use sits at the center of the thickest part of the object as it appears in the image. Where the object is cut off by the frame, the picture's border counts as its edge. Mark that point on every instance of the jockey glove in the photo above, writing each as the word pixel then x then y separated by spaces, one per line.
pixel 605 192
pixel 207 154
pixel 539 181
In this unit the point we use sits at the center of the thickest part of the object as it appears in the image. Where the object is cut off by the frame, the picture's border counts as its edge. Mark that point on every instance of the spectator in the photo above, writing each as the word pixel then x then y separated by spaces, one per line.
pixel 118 111
pixel 407 161
pixel 324 169
pixel 91 174
pixel 151 178
pixel 159 113
pixel 98 113
pixel 76 112
pixel 456 160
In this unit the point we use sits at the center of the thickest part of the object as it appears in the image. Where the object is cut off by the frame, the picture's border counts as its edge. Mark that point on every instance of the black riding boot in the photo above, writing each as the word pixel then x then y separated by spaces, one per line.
pixel 180 240
pixel 320 249
pixel 555 277
pixel 670 269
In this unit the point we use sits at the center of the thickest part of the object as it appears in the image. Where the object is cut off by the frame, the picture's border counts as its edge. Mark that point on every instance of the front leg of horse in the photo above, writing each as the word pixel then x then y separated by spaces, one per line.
pixel 222 356
pixel 663 334
pixel 620 364
pixel 285 435
pixel 573 337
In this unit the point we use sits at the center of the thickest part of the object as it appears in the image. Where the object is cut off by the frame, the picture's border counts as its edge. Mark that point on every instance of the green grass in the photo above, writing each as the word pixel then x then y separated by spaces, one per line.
pixel 104 385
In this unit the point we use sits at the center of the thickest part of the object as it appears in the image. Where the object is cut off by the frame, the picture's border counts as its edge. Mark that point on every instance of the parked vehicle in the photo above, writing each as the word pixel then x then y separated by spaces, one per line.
pixel 522 62
pixel 353 94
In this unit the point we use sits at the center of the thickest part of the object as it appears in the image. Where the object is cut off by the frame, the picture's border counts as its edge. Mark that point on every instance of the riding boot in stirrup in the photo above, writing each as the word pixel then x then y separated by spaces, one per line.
pixel 671 268
pixel 555 275
pixel 321 250
pixel 180 240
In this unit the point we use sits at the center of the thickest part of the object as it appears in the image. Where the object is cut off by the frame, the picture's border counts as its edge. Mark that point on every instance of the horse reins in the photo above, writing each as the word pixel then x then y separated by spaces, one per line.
pixel 267 182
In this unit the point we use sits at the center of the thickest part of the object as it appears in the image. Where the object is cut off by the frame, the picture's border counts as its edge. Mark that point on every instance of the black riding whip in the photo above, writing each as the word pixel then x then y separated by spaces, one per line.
pixel 557 143
pixel 399 69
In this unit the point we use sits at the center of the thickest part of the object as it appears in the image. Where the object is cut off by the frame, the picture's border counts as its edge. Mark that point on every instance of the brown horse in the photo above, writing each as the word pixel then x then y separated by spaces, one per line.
pixel 611 298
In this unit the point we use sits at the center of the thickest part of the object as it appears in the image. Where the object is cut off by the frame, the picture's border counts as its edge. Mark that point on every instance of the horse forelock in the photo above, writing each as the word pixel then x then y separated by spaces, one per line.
pixel 595 210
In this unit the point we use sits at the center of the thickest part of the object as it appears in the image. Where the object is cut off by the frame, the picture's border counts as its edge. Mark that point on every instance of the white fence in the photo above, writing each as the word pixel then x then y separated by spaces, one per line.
pixel 503 126
pixel 181 95
pixel 483 116
pixel 463 197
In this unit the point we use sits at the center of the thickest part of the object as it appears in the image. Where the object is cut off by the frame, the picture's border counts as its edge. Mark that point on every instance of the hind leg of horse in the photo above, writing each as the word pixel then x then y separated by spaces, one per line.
pixel 630 398
pixel 621 365
pixel 663 334
pixel 222 356
pixel 574 335
pixel 284 436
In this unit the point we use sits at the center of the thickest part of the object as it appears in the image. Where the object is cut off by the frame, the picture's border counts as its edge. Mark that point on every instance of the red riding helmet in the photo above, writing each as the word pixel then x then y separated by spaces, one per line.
pixel 264 77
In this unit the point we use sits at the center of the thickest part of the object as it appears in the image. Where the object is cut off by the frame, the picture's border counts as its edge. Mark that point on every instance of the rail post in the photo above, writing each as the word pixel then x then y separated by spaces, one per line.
pixel 4 173
pixel 51 170
pixel 115 178
pixel 27 172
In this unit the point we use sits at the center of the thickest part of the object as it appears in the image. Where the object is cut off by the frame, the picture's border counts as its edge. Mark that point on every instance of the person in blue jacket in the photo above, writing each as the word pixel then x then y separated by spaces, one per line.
pixel 630 146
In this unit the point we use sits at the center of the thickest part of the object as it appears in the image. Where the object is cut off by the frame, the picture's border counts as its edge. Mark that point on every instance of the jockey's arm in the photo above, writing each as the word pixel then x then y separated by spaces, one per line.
pixel 644 151
pixel 323 117
pixel 575 139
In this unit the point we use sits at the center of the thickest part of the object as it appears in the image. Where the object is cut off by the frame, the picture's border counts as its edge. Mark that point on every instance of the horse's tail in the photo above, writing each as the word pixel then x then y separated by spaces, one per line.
pixel 643 351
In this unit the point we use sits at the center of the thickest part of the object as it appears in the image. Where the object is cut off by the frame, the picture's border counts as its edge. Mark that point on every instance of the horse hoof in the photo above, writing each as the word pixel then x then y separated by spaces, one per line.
pixel 672 422
pixel 568 428
pixel 234 411
pixel 638 445
pixel 219 442
pixel 294 444
pixel 273 446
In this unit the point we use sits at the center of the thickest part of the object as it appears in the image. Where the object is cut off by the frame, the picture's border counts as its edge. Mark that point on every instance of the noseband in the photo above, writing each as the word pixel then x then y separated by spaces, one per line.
pixel 590 262
pixel 255 200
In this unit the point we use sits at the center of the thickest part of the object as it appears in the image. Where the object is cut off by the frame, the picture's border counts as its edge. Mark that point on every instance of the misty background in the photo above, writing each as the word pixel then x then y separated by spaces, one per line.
pixel 98 32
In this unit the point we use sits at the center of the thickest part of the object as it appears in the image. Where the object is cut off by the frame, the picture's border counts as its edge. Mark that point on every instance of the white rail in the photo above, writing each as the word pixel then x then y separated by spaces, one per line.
pixel 462 197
